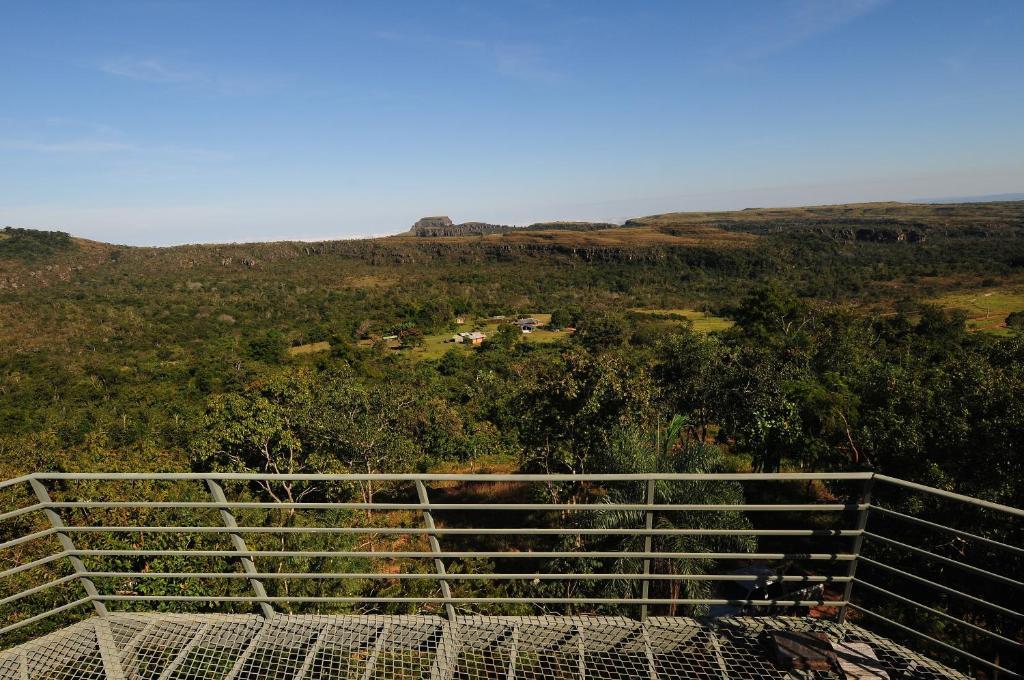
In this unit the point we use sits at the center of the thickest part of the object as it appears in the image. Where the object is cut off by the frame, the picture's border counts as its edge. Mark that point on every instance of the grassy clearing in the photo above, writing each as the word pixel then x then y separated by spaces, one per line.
pixel 311 348
pixel 370 281
pixel 437 345
pixel 702 321
pixel 619 237
pixel 986 308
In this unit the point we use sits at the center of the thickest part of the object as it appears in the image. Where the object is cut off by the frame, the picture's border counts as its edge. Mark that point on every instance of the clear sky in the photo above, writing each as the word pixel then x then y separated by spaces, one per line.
pixel 159 122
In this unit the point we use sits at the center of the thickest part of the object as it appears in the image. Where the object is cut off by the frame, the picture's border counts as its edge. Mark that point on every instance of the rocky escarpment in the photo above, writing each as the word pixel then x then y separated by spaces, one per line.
pixel 570 226
pixel 443 226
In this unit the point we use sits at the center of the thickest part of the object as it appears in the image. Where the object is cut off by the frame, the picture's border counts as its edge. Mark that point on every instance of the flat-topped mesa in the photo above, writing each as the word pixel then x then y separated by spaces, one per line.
pixel 443 226
pixel 432 223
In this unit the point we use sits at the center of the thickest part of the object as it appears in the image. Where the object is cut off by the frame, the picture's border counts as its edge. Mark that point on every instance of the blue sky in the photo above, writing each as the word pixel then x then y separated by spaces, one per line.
pixel 156 122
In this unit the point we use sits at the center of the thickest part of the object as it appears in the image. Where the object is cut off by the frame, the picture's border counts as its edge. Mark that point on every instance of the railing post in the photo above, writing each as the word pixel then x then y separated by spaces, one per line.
pixel 648 546
pixel 68 545
pixel 435 547
pixel 858 541
pixel 239 544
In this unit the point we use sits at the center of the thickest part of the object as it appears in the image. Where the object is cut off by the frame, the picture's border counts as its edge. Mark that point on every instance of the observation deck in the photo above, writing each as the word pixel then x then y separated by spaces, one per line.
pixel 522 577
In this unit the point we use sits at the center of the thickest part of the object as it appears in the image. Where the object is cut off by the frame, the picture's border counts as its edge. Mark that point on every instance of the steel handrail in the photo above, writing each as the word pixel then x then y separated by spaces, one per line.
pixel 859 534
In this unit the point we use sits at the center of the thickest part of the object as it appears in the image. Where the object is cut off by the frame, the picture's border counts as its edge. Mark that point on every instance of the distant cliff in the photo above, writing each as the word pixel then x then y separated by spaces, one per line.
pixel 570 226
pixel 443 226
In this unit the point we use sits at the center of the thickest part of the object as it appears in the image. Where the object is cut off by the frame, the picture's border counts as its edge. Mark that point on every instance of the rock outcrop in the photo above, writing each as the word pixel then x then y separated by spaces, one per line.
pixel 443 226
pixel 570 226
pixel 426 225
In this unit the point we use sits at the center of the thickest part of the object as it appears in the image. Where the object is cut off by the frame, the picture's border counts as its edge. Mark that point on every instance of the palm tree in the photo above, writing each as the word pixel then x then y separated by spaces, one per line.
pixel 636 452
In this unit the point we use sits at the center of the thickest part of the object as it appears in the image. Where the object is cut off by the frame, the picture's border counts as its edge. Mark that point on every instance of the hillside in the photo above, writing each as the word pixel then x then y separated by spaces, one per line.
pixel 32 260
pixel 119 356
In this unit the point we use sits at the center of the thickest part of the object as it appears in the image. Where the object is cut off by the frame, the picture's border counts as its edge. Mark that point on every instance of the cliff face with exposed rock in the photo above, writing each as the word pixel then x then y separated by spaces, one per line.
pixel 443 226
pixel 570 226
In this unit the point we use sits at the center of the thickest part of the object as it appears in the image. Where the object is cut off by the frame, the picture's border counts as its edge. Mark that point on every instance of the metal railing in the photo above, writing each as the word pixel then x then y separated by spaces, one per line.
pixel 512 543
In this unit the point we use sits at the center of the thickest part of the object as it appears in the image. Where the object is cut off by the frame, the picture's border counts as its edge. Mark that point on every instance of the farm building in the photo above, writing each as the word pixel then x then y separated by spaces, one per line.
pixel 474 338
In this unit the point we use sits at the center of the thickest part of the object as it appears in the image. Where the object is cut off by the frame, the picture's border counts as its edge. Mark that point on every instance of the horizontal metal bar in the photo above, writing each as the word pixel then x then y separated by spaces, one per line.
pixel 943 588
pixel 937 612
pixel 951 530
pixel 946 560
pixel 38 589
pixel 955 650
pixel 952 496
pixel 417 507
pixel 488 554
pixel 45 615
pixel 470 600
pixel 33 564
pixel 433 576
pixel 28 537
pixel 24 479
pixel 461 531
pixel 21 511
pixel 471 477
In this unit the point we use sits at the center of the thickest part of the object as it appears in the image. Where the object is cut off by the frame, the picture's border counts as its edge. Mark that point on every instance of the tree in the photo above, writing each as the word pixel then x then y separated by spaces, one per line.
pixel 768 314
pixel 507 336
pixel 410 336
pixel 264 429
pixel 568 406
pixel 269 348
pixel 691 369
pixel 563 317
pixel 300 420
pixel 757 410
pixel 635 451
pixel 367 426
pixel 598 331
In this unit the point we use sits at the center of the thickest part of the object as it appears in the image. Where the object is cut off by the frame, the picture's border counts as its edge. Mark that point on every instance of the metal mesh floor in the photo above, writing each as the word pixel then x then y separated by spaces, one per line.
pixel 247 647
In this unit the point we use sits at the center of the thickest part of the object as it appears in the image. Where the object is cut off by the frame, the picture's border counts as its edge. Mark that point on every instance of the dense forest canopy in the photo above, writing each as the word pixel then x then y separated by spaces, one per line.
pixel 880 337
pixel 121 357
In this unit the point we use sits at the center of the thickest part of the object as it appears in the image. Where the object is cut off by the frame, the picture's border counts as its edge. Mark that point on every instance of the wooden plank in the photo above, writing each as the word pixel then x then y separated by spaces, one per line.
pixel 858 661
pixel 802 651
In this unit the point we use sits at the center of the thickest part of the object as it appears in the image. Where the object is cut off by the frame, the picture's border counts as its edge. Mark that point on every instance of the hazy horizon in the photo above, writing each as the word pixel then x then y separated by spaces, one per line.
pixel 174 122
pixel 1014 196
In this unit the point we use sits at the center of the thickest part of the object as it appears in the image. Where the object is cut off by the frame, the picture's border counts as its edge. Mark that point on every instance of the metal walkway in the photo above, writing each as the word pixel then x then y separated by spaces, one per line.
pixel 497 576
pixel 247 647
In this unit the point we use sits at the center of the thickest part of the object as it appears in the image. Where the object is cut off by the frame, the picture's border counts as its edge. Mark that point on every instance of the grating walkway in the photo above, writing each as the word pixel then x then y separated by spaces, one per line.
pixel 246 647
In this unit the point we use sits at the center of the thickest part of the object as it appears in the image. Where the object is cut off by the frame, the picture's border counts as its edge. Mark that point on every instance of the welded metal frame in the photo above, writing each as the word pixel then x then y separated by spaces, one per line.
pixel 859 534
pixel 168 646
